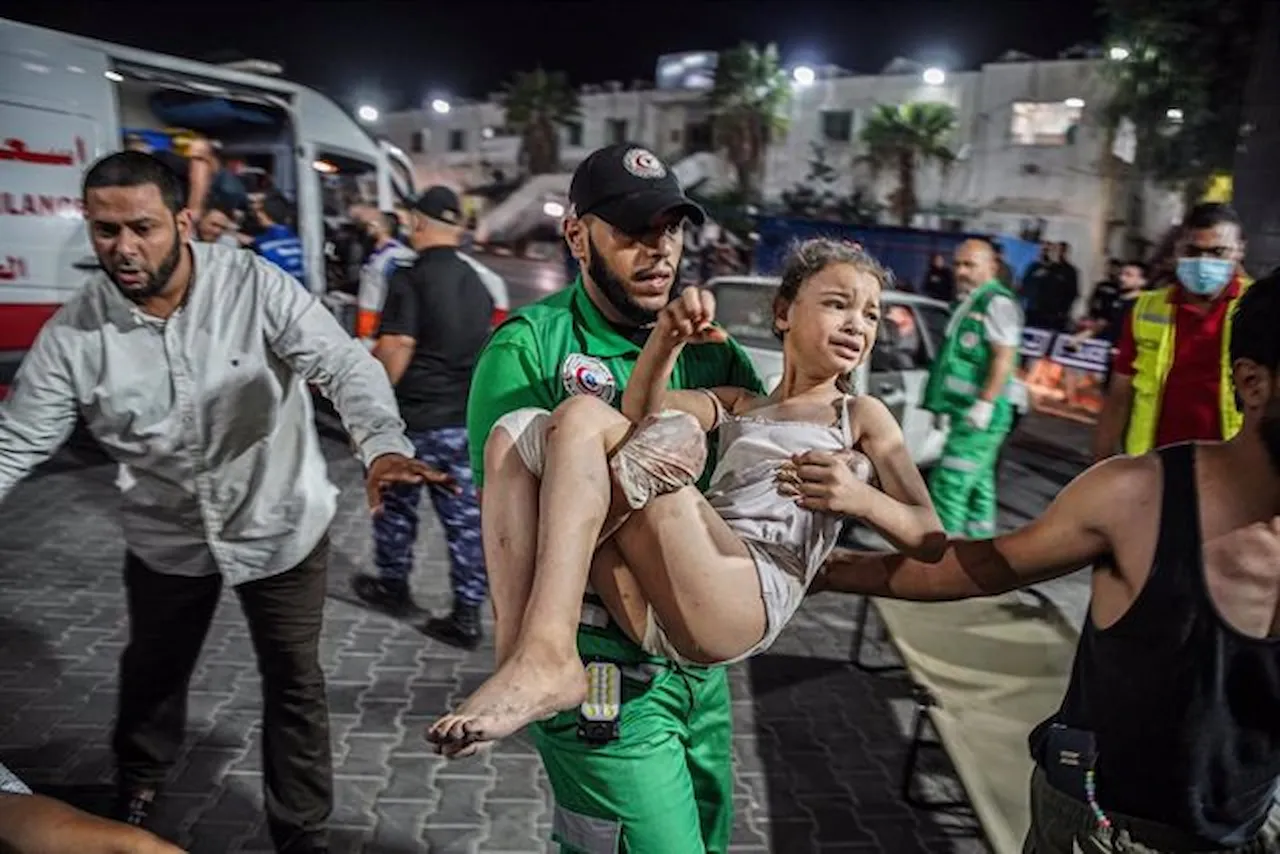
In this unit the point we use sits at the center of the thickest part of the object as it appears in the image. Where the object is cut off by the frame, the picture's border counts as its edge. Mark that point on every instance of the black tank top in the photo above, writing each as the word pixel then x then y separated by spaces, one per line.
pixel 1185 710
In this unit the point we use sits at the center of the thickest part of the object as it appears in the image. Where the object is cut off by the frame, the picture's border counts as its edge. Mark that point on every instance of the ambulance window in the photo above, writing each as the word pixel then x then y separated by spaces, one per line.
pixel 401 180
pixel 345 181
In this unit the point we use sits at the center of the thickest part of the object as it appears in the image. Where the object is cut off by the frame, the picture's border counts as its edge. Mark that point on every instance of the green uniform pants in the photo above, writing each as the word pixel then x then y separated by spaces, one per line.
pixel 963 483
pixel 665 786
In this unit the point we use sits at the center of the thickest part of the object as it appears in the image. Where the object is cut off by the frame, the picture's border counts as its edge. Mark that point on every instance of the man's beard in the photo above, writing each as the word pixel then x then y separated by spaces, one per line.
pixel 157 280
pixel 614 290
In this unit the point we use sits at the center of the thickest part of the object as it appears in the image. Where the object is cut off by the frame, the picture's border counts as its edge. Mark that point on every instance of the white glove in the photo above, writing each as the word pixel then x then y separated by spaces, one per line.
pixel 979 415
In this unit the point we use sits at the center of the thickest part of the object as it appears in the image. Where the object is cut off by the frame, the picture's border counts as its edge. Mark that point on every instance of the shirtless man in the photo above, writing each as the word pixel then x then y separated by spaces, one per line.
pixel 1174 703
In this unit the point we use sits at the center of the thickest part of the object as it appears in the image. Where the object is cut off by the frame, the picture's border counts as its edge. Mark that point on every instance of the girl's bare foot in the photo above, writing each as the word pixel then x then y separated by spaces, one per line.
pixel 528 687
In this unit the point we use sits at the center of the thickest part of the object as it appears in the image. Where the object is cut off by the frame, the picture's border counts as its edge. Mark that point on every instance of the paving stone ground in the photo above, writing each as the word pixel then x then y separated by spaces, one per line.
pixel 819 745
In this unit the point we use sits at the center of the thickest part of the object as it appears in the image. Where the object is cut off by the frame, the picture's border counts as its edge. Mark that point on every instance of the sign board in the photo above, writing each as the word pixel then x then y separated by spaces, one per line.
pixel 1036 343
pixel 1086 354
pixel 43 154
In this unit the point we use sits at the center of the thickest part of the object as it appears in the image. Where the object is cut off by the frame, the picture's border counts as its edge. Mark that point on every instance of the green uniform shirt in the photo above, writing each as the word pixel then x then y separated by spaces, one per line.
pixel 666 784
pixel 563 345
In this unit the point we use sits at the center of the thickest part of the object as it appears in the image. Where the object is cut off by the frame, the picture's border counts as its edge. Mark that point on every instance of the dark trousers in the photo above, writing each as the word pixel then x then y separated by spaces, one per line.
pixel 1060 824
pixel 395 529
pixel 169 617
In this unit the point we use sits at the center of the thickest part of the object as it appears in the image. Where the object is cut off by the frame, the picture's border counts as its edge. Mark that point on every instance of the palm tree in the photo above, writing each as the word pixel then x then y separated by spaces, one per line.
pixel 904 139
pixel 748 105
pixel 537 104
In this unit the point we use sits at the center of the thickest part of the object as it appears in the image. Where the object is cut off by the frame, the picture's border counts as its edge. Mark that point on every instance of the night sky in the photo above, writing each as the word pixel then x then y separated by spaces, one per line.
pixel 397 54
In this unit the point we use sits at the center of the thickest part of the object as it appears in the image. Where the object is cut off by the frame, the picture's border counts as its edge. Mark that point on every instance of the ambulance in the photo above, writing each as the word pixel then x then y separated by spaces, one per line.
pixel 66 100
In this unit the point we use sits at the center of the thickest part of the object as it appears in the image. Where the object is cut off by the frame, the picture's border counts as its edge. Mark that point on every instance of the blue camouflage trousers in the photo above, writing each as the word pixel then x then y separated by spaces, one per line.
pixel 395 530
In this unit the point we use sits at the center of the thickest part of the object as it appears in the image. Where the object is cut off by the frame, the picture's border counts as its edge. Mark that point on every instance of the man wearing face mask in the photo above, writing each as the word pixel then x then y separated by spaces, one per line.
pixel 1168 738
pixel 188 362
pixel 1171 376
pixel 651 771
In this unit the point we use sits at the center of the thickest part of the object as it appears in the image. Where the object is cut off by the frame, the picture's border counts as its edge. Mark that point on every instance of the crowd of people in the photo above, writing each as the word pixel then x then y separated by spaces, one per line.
pixel 652 513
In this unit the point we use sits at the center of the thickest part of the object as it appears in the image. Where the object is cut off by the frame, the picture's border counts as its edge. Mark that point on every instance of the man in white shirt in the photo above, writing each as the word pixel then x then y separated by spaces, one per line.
pixel 386 256
pixel 189 363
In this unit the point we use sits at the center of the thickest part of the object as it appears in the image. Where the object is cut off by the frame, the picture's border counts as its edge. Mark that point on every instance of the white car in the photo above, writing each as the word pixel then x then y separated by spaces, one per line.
pixel 911 331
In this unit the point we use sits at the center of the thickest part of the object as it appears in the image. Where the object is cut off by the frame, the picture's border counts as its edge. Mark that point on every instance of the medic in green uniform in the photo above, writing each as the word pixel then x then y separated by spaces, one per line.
pixel 968 384
pixel 661 780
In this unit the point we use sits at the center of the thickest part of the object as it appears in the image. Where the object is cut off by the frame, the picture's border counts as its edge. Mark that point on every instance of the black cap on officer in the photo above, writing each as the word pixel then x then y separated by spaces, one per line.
pixel 627 186
pixel 441 204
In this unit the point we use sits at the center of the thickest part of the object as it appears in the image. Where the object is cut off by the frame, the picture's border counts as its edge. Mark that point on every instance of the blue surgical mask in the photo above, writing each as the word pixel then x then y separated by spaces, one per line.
pixel 1205 277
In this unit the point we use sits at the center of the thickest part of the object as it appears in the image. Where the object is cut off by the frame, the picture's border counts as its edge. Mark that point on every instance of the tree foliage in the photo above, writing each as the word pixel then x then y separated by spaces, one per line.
pixel 816 198
pixel 537 104
pixel 903 139
pixel 1191 57
pixel 748 106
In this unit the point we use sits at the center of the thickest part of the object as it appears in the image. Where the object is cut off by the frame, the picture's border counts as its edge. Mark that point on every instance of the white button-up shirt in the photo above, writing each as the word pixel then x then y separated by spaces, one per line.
pixel 207 412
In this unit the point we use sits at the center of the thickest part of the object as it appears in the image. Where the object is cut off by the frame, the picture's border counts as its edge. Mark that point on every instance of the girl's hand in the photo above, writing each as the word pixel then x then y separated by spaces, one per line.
pixel 687 319
pixel 832 483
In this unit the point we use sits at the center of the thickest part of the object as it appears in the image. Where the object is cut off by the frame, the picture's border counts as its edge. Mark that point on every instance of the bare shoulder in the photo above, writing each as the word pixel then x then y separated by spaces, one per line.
pixel 1109 494
pixel 869 418
pixel 736 400
pixel 868 406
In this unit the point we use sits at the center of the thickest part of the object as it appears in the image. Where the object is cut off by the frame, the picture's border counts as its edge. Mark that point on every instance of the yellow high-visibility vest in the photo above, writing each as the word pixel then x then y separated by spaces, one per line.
pixel 1153 327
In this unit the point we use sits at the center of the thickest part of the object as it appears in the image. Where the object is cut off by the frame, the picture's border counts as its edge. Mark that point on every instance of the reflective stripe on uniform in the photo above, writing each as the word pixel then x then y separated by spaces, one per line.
pixel 584 834
pixel 960 385
pixel 958 464
pixel 980 530
pixel 593 615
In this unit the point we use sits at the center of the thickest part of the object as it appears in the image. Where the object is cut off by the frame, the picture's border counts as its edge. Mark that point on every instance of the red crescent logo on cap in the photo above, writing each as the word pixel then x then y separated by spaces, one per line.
pixel 643 164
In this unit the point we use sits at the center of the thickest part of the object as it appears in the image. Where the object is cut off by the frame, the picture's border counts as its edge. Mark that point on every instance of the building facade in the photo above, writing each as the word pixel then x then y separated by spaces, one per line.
pixel 1034 156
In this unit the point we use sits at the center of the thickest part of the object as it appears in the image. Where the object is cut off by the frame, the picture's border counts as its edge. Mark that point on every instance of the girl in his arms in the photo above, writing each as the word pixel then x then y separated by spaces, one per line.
pixel 709 579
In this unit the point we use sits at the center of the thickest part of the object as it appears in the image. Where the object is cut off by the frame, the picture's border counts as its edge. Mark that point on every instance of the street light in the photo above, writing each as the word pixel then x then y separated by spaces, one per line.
pixel 803 75
pixel 367 113
pixel 440 105
pixel 1173 114
pixel 1119 53
pixel 1074 103
pixel 934 76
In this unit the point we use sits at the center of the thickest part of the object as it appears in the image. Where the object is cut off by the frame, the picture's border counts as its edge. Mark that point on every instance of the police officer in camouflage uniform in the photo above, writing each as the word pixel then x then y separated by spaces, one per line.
pixel 968 384
pixel 434 324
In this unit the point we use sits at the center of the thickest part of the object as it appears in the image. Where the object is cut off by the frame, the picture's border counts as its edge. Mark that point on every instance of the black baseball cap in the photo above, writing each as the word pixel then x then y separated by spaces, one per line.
pixel 440 203
pixel 627 186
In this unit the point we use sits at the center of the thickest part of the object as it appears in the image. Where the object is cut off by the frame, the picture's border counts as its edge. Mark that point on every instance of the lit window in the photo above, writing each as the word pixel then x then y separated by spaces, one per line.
pixel 1051 123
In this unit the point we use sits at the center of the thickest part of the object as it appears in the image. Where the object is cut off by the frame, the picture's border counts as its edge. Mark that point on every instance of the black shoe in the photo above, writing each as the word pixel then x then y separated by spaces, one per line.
pixel 390 596
pixel 460 629
pixel 133 806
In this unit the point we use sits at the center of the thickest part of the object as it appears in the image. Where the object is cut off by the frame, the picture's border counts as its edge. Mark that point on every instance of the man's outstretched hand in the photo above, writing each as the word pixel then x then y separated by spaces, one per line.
pixel 390 469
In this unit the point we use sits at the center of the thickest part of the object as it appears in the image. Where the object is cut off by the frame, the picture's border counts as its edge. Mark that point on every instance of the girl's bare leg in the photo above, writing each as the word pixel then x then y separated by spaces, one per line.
pixel 705 564
pixel 543 674
pixel 509 510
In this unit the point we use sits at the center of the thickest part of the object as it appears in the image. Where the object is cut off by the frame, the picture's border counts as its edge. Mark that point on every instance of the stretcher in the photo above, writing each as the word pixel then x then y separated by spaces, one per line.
pixel 986 671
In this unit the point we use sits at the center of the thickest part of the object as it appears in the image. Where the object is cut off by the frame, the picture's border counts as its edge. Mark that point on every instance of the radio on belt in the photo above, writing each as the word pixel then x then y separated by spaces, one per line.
pixel 598 716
